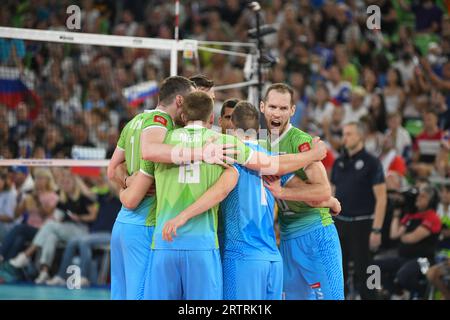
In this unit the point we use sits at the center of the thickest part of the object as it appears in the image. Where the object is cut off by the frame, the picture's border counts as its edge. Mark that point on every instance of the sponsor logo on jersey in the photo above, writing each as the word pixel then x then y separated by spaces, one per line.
pixel 160 119
pixel 315 285
pixel 304 147
pixel 317 290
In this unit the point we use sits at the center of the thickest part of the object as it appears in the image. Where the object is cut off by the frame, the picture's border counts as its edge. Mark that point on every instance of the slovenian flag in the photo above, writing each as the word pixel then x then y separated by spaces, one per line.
pixel 16 87
pixel 137 94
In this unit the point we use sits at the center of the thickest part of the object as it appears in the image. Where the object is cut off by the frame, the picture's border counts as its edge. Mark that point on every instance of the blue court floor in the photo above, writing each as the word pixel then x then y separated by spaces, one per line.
pixel 35 292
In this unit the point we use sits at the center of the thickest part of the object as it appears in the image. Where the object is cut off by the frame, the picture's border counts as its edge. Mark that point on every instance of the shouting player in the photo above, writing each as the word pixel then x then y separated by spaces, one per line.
pixel 309 241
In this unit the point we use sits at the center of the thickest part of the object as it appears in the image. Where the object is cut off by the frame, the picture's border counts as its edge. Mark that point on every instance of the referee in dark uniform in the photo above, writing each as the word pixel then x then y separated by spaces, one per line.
pixel 358 181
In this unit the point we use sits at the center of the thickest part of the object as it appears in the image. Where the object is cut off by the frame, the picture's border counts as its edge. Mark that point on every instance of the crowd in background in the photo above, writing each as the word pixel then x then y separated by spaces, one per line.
pixel 395 80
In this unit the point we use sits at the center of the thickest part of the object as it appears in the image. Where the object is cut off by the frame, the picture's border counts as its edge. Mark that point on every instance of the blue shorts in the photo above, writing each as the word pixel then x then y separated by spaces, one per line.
pixel 185 275
pixel 252 279
pixel 313 266
pixel 130 257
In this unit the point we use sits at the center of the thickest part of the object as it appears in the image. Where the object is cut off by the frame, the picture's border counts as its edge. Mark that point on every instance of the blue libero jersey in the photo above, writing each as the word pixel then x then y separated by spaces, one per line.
pixel 247 218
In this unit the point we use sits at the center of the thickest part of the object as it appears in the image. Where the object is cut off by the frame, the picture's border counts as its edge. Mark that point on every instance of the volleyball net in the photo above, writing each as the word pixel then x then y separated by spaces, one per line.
pixel 65 96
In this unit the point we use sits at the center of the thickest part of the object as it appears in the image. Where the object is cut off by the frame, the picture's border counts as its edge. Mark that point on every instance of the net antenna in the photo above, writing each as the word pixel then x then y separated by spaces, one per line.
pixel 174 51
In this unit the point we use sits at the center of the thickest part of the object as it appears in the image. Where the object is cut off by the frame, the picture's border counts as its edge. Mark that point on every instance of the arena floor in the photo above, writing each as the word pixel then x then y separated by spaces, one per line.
pixel 34 292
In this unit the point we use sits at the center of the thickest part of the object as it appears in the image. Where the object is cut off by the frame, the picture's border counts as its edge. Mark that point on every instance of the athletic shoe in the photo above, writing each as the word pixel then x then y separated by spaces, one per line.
pixel 42 278
pixel 20 261
pixel 56 281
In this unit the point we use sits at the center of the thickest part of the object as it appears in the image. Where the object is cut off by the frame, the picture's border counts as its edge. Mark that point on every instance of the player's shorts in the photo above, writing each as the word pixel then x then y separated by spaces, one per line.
pixel 252 279
pixel 185 275
pixel 130 257
pixel 313 266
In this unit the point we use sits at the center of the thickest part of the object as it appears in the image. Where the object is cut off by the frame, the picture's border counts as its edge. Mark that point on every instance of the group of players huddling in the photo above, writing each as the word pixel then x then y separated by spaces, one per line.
pixel 197 220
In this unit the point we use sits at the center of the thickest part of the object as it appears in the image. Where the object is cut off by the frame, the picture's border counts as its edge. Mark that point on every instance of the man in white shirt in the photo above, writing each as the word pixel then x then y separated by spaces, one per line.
pixel 355 110
pixel 402 139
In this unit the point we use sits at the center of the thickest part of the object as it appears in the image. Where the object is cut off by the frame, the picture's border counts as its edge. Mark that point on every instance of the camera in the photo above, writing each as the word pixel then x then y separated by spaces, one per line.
pixel 405 200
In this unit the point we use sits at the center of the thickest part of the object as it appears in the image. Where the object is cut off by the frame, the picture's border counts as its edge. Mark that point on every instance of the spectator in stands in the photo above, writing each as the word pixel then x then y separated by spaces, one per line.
pixel 428 15
pixel 81 135
pixel 355 110
pixel 22 127
pixel 390 159
pixel 302 94
pixel 230 11
pixel 438 275
pixel 388 16
pixel 8 198
pixel 297 60
pixel 418 233
pixel 438 103
pixel 5 141
pixel 370 84
pixel 349 72
pixel 34 209
pixel 374 138
pixel 99 234
pixel 339 89
pixel 393 92
pixel 405 65
pixel 377 111
pixel 98 125
pixel 95 98
pixel 441 83
pixel 442 163
pixel 443 210
pixel 333 129
pixel 12 51
pixel 401 138
pixel 67 108
pixel 54 143
pixel 75 212
pixel 23 181
pixel 418 100
pixel 320 110
pixel 127 26
pixel 38 152
pixel 113 137
pixel 427 145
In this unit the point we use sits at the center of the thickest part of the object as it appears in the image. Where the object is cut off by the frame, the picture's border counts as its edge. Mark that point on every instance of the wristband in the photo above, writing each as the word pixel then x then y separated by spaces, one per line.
pixel 397 215
pixel 376 230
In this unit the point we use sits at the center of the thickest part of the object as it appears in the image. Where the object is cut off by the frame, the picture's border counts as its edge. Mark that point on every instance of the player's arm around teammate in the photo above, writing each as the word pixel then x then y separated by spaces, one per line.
pixel 315 191
pixel 154 149
pixel 284 164
pixel 113 171
pixel 212 197
pixel 133 194
pixel 117 159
